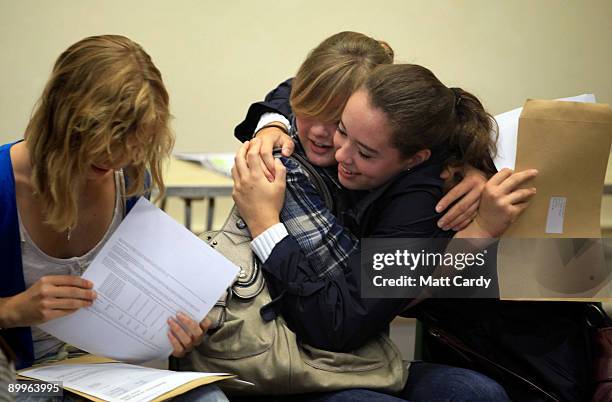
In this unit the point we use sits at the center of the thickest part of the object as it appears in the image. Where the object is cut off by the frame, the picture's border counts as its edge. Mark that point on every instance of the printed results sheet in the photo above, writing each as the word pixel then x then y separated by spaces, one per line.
pixel 150 269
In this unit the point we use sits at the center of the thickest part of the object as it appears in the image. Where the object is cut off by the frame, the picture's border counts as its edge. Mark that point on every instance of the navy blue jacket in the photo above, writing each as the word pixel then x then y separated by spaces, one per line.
pixel 404 207
pixel 276 101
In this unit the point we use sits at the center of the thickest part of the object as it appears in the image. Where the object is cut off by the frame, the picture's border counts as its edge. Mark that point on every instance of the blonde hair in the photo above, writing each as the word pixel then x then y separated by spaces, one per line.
pixel 333 71
pixel 105 97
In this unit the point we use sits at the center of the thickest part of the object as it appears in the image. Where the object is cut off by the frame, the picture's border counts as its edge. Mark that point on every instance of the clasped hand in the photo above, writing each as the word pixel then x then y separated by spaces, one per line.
pixel 259 199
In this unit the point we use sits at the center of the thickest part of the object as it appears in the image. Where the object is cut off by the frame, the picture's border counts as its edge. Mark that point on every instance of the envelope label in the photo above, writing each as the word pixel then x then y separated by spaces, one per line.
pixel 556 215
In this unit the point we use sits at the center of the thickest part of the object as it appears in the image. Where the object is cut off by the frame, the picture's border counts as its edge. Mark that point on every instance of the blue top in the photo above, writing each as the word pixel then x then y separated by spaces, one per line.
pixel 11 269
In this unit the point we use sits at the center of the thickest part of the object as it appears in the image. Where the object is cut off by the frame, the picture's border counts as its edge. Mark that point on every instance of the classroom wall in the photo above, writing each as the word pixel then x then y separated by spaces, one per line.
pixel 217 57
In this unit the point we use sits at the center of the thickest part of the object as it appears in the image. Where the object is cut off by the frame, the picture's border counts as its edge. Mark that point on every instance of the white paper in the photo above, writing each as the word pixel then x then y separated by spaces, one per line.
pixel 220 162
pixel 116 381
pixel 556 215
pixel 150 269
pixel 508 132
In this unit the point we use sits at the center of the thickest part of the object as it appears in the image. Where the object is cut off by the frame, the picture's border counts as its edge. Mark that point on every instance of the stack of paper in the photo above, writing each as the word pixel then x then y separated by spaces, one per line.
pixel 99 379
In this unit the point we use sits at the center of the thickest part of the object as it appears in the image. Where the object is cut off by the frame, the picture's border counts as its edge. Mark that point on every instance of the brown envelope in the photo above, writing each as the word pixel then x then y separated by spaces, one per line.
pixel 569 144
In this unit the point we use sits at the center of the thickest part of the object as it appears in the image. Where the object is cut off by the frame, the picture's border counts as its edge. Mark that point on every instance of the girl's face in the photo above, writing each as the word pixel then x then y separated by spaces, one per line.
pixel 317 139
pixel 103 168
pixel 366 158
pixel 104 164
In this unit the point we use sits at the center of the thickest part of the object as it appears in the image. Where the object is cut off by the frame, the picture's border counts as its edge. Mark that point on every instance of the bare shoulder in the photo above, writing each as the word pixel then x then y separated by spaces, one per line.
pixel 22 168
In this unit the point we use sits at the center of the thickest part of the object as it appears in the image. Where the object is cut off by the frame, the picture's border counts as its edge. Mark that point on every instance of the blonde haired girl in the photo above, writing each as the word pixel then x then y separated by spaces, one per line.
pixel 100 127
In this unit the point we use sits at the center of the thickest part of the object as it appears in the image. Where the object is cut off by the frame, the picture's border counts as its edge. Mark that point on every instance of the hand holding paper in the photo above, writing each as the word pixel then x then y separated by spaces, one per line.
pixel 151 269
pixel 503 201
pixel 185 333
pixel 50 297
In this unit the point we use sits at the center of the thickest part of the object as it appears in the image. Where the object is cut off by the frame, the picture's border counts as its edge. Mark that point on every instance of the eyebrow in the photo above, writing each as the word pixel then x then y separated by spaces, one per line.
pixel 342 129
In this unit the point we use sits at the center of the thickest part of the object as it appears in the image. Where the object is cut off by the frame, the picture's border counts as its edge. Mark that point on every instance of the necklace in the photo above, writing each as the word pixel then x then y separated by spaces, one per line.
pixel 69 235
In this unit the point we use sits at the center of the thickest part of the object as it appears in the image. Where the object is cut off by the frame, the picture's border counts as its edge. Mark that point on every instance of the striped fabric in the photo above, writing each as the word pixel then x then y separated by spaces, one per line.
pixel 325 242
pixel 7 375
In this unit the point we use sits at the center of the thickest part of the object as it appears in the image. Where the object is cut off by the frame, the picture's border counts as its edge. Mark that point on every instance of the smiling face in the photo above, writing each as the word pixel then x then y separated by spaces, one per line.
pixel 104 163
pixel 317 138
pixel 365 154
pixel 102 168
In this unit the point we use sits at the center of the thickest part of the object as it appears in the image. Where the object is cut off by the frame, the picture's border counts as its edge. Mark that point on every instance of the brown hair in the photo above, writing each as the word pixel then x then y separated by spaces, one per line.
pixel 425 114
pixel 105 100
pixel 333 71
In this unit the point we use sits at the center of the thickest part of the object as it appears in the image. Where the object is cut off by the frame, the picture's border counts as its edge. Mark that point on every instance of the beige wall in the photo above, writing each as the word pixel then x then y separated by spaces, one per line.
pixel 219 56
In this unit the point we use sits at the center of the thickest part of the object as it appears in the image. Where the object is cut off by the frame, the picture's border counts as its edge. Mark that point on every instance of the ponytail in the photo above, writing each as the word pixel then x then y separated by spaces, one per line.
pixel 471 142
pixel 388 49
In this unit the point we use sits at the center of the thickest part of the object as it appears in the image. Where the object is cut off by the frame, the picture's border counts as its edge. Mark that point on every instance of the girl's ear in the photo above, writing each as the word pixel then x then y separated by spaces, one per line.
pixel 418 158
